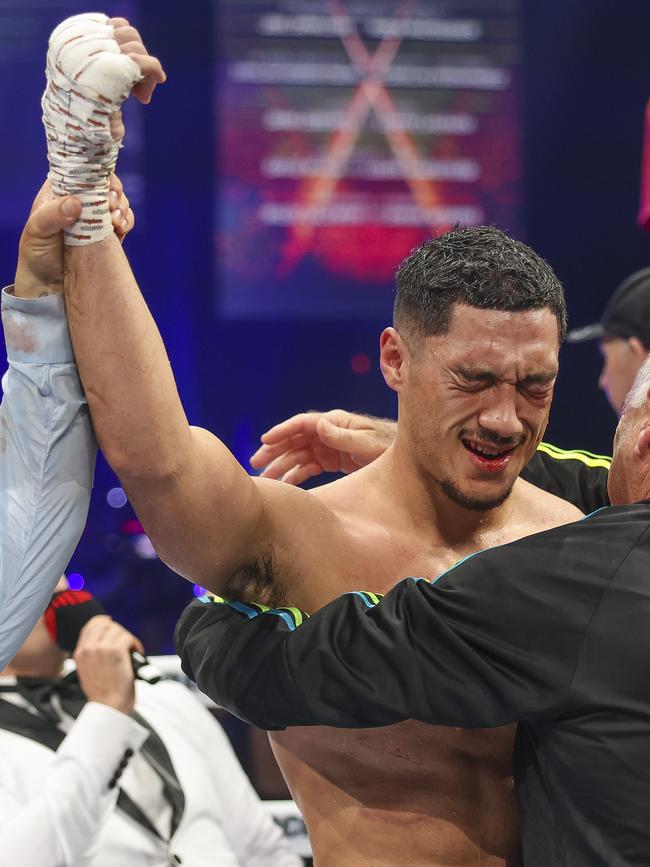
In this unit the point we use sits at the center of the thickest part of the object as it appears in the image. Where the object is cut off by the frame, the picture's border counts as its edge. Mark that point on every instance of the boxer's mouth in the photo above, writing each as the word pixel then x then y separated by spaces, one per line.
pixel 488 455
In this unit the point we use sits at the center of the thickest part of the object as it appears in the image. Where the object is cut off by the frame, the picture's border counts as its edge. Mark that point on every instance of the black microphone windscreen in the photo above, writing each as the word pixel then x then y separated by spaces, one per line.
pixel 67 614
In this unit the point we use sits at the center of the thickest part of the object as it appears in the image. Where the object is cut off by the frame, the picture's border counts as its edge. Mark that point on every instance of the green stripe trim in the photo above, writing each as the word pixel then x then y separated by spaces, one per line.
pixel 297 614
pixel 586 458
pixel 551 447
pixel 373 597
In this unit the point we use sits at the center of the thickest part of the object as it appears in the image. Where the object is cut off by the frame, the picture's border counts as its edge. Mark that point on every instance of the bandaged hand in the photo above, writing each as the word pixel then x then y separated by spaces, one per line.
pixel 93 64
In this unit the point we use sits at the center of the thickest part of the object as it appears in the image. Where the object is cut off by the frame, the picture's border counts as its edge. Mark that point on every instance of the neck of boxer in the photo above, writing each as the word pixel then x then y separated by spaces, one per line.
pixel 419 497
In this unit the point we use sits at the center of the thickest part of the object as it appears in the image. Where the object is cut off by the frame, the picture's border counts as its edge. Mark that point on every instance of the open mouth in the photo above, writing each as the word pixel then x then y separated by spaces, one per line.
pixel 487 455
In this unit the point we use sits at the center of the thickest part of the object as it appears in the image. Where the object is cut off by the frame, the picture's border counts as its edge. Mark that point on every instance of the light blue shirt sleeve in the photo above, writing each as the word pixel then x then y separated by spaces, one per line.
pixel 47 461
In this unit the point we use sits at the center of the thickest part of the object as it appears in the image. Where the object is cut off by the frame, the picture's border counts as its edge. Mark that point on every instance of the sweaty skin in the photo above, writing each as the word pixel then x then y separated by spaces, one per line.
pixel 407 795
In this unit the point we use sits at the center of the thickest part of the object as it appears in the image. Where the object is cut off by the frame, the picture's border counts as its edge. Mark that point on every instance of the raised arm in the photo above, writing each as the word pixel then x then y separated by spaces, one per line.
pixel 47 447
pixel 202 511
pixel 206 517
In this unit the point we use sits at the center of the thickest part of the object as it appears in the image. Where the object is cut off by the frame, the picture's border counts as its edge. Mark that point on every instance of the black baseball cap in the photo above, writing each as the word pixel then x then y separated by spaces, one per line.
pixel 627 314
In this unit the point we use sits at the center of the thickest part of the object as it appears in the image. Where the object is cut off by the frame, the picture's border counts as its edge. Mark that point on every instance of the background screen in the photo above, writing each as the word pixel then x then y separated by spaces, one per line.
pixel 349 132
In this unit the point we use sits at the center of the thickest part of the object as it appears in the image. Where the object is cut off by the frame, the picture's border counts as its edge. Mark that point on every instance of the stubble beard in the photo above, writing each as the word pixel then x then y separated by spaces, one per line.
pixel 472 504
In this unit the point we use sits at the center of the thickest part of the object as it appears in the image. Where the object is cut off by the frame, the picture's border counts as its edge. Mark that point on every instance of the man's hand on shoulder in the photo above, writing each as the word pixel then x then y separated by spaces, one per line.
pixel 104 666
pixel 40 260
pixel 311 443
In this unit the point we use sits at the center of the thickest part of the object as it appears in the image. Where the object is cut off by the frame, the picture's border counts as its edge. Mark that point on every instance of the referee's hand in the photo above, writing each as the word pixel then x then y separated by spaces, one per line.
pixel 40 259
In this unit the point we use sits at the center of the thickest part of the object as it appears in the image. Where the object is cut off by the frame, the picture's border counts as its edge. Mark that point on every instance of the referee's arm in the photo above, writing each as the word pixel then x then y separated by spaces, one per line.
pixel 494 640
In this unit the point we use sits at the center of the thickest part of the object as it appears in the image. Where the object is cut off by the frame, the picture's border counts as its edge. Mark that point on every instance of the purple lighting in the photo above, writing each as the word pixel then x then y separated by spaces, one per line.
pixel 143 547
pixel 199 591
pixel 360 363
pixel 76 581
pixel 116 498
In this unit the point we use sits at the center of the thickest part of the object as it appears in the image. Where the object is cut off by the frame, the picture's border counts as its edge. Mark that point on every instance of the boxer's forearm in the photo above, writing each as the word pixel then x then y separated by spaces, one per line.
pixel 184 484
pixel 181 481
pixel 137 414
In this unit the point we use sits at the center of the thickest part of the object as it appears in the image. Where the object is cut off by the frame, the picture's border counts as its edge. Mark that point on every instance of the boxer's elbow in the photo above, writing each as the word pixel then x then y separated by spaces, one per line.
pixel 140 460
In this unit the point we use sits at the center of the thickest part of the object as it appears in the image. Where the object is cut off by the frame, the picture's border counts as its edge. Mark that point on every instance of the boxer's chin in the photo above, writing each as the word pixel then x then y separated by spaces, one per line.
pixel 473 500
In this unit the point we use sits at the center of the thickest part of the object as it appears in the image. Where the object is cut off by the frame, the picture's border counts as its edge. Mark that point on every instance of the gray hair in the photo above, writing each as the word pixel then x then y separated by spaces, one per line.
pixel 638 394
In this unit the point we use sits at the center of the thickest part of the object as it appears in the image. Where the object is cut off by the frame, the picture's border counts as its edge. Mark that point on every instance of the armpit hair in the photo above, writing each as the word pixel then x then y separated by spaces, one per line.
pixel 257 582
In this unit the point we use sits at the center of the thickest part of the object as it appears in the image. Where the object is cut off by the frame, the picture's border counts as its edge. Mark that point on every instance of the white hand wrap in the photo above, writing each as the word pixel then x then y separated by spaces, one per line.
pixel 88 79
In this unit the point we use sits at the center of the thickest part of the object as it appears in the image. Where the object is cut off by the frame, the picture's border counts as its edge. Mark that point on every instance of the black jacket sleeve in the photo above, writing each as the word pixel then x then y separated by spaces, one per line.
pixel 576 476
pixel 495 639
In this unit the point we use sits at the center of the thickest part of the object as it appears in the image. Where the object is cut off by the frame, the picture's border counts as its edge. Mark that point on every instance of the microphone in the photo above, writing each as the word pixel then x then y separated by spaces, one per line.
pixel 67 614
pixel 144 669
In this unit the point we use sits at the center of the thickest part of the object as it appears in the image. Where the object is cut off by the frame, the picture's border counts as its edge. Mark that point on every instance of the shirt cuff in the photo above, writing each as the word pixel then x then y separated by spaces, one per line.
pixel 36 329
pixel 102 736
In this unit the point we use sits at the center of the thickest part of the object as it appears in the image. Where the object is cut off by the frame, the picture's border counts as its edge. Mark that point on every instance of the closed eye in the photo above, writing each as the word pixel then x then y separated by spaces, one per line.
pixel 537 386
pixel 537 389
pixel 475 380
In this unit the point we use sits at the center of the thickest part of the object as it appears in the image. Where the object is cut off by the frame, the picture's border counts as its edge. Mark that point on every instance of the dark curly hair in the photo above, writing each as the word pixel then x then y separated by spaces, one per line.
pixel 479 266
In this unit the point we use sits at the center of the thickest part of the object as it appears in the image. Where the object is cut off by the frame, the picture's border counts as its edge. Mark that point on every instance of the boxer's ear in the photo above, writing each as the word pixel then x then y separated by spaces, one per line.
pixel 393 358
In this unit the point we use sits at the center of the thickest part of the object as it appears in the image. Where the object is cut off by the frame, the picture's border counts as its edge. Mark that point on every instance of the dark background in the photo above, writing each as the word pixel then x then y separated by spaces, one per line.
pixel 586 82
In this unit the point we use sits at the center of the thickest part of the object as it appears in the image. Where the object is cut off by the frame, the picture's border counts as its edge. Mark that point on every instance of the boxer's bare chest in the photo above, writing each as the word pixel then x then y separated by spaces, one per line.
pixel 373 554
pixel 442 795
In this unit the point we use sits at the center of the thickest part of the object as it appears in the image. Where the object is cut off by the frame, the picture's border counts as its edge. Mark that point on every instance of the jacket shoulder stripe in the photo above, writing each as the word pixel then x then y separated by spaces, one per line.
pixel 586 458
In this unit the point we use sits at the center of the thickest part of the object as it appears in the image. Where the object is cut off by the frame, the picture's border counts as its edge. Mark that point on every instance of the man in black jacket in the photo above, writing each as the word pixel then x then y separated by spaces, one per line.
pixel 551 631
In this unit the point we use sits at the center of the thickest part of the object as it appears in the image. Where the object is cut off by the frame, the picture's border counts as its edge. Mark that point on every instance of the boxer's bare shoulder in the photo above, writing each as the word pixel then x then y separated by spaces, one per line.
pixel 541 509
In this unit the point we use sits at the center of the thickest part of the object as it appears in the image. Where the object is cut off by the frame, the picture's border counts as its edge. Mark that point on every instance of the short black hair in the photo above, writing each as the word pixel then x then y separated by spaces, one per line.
pixel 479 266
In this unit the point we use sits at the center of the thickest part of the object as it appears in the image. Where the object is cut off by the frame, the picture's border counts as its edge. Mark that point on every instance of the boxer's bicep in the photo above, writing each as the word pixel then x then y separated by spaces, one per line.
pixel 203 517
pixel 217 526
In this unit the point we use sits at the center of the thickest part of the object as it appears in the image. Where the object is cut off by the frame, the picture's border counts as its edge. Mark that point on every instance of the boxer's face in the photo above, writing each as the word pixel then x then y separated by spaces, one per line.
pixel 474 401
